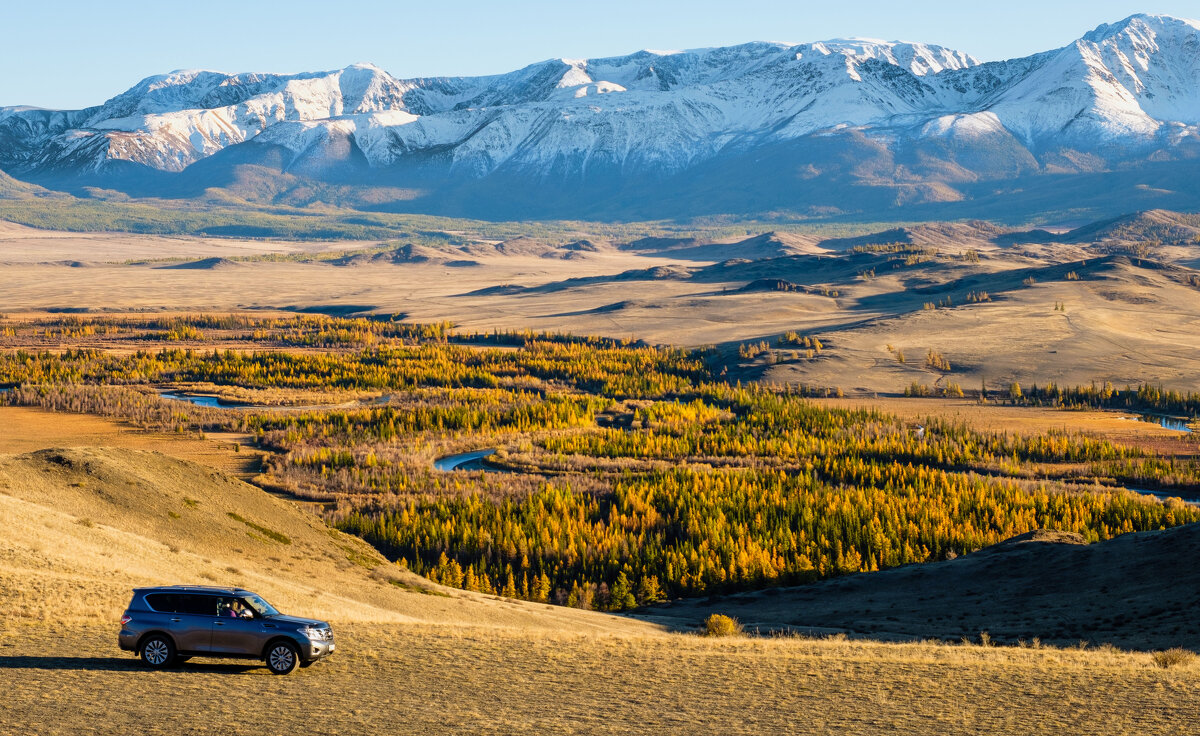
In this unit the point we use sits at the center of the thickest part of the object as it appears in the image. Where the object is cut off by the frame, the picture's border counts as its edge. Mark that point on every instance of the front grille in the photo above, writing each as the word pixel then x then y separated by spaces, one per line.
pixel 325 634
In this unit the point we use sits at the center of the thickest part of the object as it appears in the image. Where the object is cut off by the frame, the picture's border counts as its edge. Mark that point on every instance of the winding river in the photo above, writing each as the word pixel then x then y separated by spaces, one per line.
pixel 466 461
pixel 209 401
pixel 1175 424
pixel 214 402
pixel 474 460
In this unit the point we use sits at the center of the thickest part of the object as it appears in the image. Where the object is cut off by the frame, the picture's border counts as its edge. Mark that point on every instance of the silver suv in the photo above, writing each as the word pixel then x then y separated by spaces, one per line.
pixel 173 623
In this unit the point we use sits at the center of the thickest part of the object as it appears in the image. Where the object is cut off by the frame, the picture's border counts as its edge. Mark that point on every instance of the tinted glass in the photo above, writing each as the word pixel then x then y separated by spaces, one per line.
pixel 161 602
pixel 233 608
pixel 261 607
pixel 204 605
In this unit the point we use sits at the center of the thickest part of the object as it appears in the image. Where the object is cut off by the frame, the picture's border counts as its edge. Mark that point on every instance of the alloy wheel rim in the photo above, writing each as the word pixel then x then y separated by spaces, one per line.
pixel 281 658
pixel 156 652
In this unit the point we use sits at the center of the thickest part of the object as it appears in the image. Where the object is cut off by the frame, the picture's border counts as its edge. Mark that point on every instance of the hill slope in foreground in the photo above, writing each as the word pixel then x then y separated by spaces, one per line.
pixel 85 525
pixel 79 527
pixel 1134 591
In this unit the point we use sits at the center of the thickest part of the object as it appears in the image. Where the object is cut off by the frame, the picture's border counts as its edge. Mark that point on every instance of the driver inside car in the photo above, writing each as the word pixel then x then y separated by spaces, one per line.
pixel 234 608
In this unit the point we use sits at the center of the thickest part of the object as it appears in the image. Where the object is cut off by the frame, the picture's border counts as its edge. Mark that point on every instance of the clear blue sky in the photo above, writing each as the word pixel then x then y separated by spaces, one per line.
pixel 73 53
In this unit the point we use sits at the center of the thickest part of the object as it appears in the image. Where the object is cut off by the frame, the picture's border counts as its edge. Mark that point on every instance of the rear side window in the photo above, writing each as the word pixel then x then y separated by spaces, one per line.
pixel 204 605
pixel 162 602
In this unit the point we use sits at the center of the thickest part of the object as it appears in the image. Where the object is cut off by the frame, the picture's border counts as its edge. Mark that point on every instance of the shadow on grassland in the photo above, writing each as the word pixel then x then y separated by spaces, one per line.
pixel 116 664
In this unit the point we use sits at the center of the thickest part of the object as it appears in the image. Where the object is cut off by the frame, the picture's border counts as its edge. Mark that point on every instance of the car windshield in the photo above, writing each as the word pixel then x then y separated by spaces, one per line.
pixel 261 607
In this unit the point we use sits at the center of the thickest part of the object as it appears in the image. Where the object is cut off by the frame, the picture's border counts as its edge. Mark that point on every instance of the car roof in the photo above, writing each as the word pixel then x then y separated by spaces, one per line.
pixel 194 589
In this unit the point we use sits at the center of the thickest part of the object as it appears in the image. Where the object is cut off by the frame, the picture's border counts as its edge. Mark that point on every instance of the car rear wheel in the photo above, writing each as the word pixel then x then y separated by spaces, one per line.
pixel 157 651
pixel 282 657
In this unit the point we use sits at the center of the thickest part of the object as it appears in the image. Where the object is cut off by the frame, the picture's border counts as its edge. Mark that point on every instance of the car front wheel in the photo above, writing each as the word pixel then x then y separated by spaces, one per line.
pixel 282 657
pixel 157 651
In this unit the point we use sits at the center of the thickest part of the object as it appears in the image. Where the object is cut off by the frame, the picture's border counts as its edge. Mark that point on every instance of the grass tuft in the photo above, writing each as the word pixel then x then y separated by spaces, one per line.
pixel 1174 657
pixel 268 533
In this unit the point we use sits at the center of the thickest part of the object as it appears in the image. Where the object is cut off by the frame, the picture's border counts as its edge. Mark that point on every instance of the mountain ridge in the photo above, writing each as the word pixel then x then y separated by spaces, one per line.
pixel 863 126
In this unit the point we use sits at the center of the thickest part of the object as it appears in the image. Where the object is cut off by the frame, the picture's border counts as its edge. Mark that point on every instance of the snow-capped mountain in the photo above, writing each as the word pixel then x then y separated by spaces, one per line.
pixel 856 112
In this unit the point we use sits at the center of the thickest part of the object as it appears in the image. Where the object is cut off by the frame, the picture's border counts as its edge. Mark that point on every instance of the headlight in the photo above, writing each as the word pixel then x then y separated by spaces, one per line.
pixel 316 634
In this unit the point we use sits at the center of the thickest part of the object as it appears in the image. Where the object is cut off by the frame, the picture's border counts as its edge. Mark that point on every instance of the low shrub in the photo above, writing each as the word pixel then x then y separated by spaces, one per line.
pixel 1173 657
pixel 721 625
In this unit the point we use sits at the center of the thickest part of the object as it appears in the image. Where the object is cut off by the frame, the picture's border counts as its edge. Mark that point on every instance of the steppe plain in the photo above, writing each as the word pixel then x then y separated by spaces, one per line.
pixel 1062 310
pixel 84 501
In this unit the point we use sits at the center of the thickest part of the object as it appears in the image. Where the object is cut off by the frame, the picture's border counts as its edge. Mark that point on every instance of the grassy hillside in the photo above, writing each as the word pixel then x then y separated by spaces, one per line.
pixel 1134 591
pixel 83 526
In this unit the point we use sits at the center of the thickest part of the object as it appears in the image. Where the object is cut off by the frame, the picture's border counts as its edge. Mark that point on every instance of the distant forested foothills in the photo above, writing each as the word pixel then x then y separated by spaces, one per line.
pixel 631 473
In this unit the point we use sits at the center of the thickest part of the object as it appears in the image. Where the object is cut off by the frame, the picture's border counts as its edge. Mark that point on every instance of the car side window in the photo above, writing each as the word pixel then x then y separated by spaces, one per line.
pixel 234 608
pixel 162 602
pixel 202 605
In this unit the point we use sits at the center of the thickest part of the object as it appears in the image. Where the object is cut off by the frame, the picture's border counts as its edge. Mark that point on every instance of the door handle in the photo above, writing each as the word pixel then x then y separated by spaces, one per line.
pixel 220 623
pixel 175 620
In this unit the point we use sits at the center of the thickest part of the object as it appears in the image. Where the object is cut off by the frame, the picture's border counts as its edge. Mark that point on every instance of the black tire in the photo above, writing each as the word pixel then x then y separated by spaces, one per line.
pixel 157 651
pixel 282 657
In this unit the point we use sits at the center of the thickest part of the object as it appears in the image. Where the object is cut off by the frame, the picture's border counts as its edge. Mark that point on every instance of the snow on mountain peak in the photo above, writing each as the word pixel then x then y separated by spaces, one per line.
pixel 1130 80
pixel 918 58
pixel 575 75
pixel 1139 23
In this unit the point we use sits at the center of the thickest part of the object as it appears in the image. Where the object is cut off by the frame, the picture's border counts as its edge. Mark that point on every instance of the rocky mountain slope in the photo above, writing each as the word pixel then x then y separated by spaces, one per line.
pixel 846 126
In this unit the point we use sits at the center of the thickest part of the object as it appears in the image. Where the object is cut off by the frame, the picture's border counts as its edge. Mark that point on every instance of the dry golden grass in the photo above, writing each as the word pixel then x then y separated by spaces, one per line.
pixel 1124 322
pixel 1174 657
pixel 996 417
pixel 80 527
pixel 20 244
pixel 27 429
pixel 1135 591
pixel 439 679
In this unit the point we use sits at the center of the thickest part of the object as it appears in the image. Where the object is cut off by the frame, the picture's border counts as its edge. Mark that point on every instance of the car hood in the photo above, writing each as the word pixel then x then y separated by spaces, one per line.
pixel 299 621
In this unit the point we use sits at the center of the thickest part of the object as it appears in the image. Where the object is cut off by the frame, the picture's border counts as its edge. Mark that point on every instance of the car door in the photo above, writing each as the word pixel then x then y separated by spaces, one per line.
pixel 192 623
pixel 241 636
